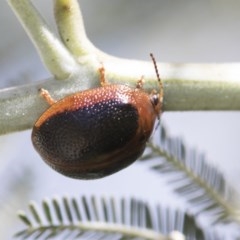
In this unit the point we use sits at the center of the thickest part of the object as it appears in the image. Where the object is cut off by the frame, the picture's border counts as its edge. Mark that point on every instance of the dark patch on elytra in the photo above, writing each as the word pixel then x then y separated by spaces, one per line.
pixel 88 131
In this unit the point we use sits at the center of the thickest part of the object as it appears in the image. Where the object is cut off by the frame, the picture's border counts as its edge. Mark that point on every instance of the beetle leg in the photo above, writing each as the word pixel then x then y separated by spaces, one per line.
pixel 46 95
pixel 140 82
pixel 101 70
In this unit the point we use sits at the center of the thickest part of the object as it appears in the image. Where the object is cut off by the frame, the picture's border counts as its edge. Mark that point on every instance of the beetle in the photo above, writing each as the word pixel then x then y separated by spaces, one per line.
pixel 97 132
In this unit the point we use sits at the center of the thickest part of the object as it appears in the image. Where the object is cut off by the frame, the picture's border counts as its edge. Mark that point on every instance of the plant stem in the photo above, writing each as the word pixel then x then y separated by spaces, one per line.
pixel 71 28
pixel 21 106
pixel 203 87
pixel 101 227
pixel 50 49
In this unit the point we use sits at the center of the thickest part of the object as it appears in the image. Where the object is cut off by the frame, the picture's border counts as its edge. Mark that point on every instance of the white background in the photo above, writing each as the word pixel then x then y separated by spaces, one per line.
pixel 175 31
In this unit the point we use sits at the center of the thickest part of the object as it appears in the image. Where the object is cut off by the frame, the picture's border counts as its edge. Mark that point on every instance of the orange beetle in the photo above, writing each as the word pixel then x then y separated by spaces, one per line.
pixel 97 132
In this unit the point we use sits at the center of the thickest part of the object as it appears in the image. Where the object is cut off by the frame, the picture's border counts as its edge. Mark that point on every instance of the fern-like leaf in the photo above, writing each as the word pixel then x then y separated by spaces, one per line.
pixel 193 178
pixel 102 218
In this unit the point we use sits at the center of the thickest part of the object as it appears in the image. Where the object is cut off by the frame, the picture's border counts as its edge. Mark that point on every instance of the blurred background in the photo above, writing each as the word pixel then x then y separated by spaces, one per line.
pixel 175 31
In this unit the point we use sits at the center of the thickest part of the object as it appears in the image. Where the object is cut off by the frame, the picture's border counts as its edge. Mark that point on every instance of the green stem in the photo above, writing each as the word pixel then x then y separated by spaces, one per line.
pixel 50 49
pixel 103 228
pixel 71 28
pixel 21 106
pixel 204 87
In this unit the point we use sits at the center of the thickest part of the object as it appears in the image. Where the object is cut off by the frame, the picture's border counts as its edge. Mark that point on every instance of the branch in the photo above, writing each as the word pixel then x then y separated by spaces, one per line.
pixel 187 87
pixel 50 49
pixel 71 28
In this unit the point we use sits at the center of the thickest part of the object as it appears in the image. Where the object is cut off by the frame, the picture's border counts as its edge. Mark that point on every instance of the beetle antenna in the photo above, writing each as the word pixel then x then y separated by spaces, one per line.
pixel 155 66
pixel 158 76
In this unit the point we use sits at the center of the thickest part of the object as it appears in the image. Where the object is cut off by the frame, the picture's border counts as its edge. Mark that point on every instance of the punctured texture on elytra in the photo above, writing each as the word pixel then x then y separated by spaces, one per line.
pixel 96 132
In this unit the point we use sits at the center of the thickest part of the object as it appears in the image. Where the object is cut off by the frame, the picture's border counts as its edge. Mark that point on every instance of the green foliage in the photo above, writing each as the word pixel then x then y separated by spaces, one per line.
pixel 101 218
pixel 189 174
